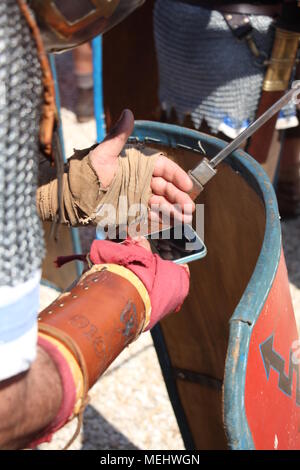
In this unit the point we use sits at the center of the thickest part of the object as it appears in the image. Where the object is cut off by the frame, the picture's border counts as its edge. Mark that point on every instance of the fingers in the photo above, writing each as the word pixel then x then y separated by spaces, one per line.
pixel 104 157
pixel 114 142
pixel 185 266
pixel 163 210
pixel 161 187
pixel 170 185
pixel 171 172
pixel 143 242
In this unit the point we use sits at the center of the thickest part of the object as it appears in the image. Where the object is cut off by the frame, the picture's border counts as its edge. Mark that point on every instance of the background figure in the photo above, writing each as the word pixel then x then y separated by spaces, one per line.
pixel 204 71
pixel 210 79
pixel 83 67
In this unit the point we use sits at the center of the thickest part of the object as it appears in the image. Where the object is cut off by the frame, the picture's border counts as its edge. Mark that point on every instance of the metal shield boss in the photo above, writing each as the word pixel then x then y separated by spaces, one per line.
pixel 67 23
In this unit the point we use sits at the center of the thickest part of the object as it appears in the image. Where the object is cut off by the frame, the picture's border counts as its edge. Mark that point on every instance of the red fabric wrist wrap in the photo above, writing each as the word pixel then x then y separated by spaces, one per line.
pixel 166 282
pixel 68 396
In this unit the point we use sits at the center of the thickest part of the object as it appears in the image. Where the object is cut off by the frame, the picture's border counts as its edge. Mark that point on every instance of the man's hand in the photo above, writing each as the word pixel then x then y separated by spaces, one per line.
pixel 167 283
pixel 170 184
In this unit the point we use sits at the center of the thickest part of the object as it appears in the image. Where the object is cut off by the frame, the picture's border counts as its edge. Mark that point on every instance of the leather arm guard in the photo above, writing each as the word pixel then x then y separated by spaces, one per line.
pixel 88 327
pixel 99 317
pixel 85 329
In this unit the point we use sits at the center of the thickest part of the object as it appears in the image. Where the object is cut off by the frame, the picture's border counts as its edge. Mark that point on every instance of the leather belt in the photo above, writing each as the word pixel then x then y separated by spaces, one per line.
pixel 238 8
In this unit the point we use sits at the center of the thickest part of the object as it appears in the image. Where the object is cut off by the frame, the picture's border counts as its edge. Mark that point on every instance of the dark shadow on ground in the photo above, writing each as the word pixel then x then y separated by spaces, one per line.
pixel 99 434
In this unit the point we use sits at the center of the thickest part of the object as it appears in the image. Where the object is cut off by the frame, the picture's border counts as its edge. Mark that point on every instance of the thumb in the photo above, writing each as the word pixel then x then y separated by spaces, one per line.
pixel 114 142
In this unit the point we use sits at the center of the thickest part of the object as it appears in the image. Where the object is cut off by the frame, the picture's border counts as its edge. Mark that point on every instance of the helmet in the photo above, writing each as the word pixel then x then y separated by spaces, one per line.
pixel 67 23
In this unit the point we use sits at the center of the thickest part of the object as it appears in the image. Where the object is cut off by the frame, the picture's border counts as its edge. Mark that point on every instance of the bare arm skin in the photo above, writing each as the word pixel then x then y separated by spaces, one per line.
pixel 29 402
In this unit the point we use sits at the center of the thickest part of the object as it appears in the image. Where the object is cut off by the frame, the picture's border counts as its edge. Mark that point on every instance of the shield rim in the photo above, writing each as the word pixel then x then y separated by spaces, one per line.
pixel 249 307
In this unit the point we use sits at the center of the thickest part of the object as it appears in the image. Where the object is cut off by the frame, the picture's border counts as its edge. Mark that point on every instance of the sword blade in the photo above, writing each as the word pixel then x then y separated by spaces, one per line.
pixel 253 127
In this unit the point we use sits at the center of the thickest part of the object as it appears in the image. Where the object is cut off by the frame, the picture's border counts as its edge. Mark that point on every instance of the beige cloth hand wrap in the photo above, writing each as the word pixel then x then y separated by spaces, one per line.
pixel 86 201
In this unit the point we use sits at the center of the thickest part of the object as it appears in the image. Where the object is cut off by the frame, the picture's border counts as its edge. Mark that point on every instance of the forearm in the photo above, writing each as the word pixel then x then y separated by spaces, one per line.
pixel 29 402
pixel 82 332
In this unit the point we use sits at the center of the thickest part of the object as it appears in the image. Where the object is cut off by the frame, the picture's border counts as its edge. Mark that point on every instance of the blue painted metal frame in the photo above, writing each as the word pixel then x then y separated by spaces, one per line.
pixel 256 293
pixel 98 102
pixel 98 88
pixel 74 231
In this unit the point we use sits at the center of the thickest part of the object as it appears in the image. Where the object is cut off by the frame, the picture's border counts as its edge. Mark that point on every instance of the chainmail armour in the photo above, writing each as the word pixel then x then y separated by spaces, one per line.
pixel 204 70
pixel 21 234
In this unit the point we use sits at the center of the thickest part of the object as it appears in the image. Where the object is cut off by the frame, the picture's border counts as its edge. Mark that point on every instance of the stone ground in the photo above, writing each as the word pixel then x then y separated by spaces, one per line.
pixel 129 407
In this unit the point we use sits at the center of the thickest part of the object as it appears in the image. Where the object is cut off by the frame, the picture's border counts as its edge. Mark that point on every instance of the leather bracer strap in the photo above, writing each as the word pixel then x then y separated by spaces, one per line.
pixel 49 110
pixel 99 317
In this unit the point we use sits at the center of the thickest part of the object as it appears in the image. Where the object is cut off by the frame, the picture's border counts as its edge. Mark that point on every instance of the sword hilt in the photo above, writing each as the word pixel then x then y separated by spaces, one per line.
pixel 200 175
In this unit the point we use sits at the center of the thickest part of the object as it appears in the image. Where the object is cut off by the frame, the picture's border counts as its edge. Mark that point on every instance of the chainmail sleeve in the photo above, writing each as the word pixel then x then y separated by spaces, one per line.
pixel 21 235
